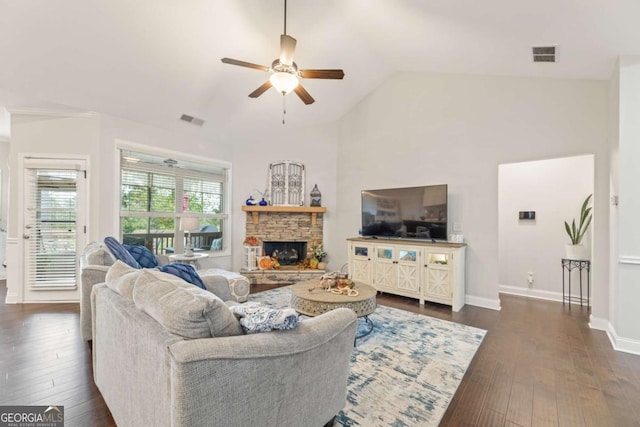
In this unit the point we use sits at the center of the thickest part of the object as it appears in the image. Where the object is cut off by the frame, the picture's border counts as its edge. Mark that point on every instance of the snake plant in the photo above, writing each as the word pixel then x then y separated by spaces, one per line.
pixel 577 233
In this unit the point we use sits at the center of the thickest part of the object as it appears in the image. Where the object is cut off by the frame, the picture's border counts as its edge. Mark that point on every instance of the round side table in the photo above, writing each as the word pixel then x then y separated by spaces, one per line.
pixel 188 259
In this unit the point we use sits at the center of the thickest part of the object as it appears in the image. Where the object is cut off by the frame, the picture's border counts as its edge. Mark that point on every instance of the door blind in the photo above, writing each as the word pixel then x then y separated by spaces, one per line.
pixel 51 228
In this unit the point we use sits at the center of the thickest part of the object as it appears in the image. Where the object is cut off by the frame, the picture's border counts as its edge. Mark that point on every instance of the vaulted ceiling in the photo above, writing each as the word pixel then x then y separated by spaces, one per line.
pixel 153 60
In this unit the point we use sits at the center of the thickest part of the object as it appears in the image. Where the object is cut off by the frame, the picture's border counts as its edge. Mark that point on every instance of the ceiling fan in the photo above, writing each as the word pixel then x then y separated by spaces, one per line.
pixel 284 72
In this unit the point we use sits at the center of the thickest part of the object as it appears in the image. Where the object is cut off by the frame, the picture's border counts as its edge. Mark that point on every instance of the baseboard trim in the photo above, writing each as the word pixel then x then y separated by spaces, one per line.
pixel 531 293
pixel 598 323
pixel 625 345
pixel 492 304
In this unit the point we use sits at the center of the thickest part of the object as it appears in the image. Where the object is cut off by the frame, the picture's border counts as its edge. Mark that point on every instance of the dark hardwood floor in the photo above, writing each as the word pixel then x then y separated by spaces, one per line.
pixel 539 365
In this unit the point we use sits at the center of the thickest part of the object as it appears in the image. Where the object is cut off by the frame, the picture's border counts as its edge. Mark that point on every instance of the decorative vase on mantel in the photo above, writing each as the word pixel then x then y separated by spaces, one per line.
pixel 577 252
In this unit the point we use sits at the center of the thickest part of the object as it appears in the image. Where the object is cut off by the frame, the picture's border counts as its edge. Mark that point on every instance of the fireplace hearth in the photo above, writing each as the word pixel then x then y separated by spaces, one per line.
pixel 288 253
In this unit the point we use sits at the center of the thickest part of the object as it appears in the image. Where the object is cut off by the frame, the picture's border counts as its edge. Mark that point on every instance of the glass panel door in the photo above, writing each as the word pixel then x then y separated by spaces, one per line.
pixel 53 224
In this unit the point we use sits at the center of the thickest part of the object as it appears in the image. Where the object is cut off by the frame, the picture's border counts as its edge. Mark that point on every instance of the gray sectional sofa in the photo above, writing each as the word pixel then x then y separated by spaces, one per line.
pixel 96 260
pixel 150 373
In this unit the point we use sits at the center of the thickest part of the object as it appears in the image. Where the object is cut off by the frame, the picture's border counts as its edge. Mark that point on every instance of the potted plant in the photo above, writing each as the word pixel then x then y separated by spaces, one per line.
pixel 576 249
pixel 318 255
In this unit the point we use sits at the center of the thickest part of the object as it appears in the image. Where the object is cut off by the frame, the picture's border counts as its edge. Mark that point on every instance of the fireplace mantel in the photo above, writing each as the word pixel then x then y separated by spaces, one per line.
pixel 312 210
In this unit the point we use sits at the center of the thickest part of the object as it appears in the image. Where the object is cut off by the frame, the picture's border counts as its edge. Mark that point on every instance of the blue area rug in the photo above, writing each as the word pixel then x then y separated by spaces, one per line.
pixel 406 371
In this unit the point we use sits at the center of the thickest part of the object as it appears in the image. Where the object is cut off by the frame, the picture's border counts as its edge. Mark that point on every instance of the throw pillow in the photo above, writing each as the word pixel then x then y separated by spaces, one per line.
pixel 255 317
pixel 183 309
pixel 95 254
pixel 144 256
pixel 121 278
pixel 184 271
pixel 119 252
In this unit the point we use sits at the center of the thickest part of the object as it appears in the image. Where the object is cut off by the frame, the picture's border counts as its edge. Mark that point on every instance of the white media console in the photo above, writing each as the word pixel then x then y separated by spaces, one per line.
pixel 412 268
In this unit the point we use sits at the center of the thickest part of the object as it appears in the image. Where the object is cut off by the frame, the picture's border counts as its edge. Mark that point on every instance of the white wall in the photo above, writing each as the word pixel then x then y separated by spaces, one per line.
pixel 95 136
pixel 614 190
pixel 316 148
pixel 555 189
pixel 625 323
pixel 5 149
pixel 186 144
pixel 36 133
pixel 4 199
pixel 418 129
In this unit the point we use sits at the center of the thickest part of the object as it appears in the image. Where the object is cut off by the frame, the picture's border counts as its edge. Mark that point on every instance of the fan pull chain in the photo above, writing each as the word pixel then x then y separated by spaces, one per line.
pixel 284 107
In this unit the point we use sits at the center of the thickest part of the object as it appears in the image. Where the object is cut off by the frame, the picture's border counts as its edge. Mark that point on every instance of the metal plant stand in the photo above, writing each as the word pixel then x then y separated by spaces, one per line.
pixel 568 265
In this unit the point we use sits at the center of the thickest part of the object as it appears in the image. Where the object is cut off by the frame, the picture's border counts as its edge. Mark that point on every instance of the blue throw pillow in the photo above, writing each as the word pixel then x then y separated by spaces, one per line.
pixel 144 256
pixel 184 271
pixel 119 252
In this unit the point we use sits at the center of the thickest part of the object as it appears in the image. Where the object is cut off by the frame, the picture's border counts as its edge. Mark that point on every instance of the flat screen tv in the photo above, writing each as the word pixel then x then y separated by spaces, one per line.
pixel 406 213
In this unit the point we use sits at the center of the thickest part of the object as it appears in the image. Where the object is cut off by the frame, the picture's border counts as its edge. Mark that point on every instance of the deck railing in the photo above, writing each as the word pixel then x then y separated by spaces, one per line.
pixel 163 243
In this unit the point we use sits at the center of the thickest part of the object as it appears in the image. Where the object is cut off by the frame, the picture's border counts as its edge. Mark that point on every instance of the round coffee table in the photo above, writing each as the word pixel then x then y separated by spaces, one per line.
pixel 320 301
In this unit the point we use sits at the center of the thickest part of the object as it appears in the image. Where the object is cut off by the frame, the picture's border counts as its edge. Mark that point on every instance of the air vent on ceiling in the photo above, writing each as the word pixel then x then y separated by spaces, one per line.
pixel 193 120
pixel 544 54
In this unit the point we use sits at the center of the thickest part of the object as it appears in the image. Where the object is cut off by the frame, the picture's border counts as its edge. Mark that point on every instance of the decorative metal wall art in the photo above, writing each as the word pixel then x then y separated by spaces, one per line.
pixel 286 183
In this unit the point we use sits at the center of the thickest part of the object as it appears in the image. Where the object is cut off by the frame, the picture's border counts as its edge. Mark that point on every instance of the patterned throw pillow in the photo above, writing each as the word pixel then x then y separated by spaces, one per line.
pixel 184 271
pixel 255 317
pixel 119 252
pixel 144 256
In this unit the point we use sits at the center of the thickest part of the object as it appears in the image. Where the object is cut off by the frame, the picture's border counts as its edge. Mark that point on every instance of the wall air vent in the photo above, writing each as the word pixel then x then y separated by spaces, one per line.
pixel 544 53
pixel 193 120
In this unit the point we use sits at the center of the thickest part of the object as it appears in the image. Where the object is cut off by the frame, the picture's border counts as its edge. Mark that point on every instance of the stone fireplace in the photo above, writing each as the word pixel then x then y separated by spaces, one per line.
pixel 290 230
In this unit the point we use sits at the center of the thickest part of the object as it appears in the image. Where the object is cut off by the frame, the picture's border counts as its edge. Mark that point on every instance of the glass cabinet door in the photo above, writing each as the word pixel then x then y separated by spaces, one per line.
pixel 361 251
pixel 435 258
pixel 384 253
pixel 407 255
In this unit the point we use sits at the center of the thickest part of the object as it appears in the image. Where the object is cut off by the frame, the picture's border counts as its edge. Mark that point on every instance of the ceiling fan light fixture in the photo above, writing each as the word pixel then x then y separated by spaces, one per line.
pixel 284 82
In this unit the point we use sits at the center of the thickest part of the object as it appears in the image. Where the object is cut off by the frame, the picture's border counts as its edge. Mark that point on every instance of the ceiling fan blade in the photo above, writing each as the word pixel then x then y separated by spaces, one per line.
pixel 304 95
pixel 262 89
pixel 322 74
pixel 244 64
pixel 287 49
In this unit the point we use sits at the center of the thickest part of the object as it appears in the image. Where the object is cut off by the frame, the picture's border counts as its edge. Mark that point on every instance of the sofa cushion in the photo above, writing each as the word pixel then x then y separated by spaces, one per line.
pixel 183 309
pixel 96 254
pixel 121 278
pixel 144 256
pixel 185 272
pixel 119 252
pixel 255 317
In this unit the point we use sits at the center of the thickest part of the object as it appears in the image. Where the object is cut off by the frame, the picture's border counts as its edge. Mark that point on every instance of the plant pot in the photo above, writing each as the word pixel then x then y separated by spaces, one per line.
pixel 322 265
pixel 577 252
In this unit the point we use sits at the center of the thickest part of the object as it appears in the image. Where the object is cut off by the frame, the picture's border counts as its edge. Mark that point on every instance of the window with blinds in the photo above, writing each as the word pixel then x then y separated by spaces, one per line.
pixel 157 192
pixel 51 228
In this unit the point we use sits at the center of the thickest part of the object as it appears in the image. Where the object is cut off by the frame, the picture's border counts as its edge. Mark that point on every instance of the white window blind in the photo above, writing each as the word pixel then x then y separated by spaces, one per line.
pixel 156 192
pixel 51 228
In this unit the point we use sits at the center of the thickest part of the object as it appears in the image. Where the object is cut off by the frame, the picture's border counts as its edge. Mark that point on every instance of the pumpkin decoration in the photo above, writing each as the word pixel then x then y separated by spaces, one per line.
pixel 265 263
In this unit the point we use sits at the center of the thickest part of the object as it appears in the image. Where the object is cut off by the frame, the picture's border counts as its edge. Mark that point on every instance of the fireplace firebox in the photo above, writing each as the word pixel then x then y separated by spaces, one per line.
pixel 288 253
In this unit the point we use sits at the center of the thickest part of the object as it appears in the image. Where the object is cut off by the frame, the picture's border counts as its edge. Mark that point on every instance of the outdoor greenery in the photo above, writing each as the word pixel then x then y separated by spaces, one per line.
pixel 152 192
